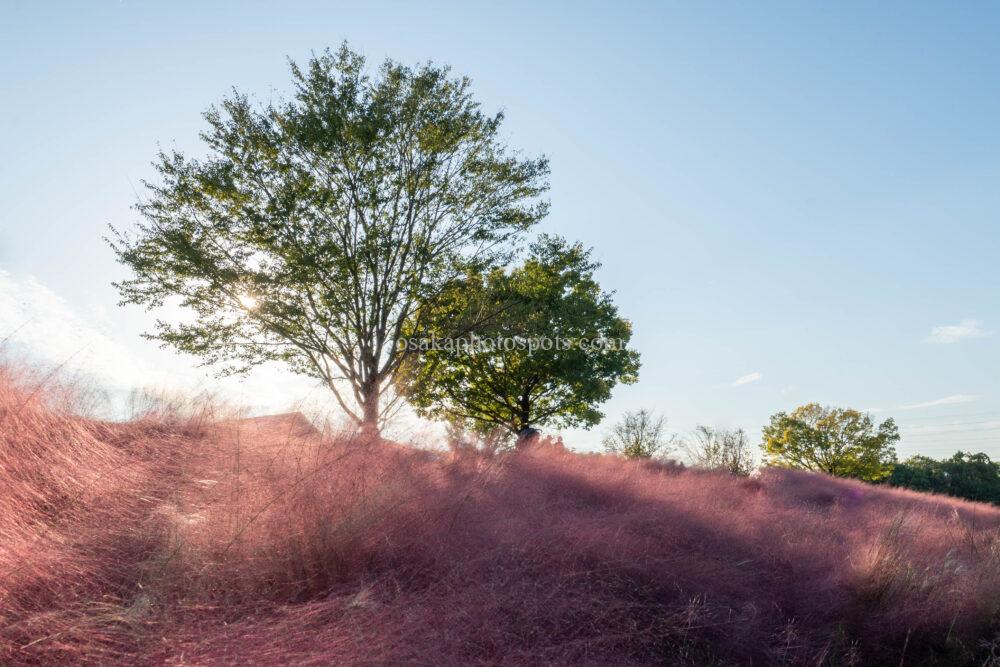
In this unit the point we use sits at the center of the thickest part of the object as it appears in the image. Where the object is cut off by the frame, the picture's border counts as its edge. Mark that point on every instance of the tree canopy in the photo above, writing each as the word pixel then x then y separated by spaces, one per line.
pixel 837 441
pixel 544 345
pixel 317 227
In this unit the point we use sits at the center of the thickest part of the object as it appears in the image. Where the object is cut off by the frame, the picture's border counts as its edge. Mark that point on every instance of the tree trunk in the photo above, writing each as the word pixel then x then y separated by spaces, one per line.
pixel 370 410
pixel 523 416
pixel 525 433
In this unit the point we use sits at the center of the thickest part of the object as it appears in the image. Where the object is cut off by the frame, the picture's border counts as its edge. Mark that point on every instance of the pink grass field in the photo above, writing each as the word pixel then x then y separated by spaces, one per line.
pixel 202 540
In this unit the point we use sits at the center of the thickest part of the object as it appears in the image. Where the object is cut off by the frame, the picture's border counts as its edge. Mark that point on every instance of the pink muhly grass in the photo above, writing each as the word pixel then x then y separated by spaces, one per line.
pixel 199 539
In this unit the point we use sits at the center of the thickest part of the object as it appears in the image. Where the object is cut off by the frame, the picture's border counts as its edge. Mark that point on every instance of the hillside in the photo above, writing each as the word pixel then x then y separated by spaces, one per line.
pixel 197 539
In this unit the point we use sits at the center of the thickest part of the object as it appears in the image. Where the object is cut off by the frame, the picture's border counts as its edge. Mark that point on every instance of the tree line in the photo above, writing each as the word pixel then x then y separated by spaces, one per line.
pixel 836 441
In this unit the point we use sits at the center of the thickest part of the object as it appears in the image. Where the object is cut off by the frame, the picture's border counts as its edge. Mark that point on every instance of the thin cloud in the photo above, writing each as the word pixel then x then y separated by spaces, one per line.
pixel 947 400
pixel 49 329
pixel 747 379
pixel 971 428
pixel 953 333
pixel 38 325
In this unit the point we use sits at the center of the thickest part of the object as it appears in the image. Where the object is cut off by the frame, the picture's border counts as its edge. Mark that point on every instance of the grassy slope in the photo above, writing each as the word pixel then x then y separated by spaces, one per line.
pixel 198 541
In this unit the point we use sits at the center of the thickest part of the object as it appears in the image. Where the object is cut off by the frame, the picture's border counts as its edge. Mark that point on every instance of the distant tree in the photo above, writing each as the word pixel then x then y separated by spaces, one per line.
pixel 920 473
pixel 638 435
pixel 545 346
pixel 969 476
pixel 317 227
pixel 720 449
pixel 837 441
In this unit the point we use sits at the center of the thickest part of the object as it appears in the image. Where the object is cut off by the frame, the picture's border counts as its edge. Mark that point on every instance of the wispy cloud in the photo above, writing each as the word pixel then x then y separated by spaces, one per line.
pixel 38 325
pixel 747 379
pixel 987 427
pixel 39 322
pixel 947 400
pixel 953 333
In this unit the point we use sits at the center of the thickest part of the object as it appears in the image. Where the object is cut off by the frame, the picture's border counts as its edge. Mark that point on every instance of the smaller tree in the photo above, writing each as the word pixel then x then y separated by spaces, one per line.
pixel 543 346
pixel 638 435
pixel 720 449
pixel 837 441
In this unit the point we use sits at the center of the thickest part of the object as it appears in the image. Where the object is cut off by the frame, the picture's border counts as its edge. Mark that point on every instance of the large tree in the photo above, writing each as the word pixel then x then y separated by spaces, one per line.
pixel 837 441
pixel 317 227
pixel 543 345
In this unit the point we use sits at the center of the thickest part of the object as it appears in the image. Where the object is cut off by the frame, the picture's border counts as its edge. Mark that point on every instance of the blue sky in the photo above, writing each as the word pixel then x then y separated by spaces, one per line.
pixel 797 195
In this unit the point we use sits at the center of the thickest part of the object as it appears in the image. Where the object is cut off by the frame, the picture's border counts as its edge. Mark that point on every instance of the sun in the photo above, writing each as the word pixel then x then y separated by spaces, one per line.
pixel 247 301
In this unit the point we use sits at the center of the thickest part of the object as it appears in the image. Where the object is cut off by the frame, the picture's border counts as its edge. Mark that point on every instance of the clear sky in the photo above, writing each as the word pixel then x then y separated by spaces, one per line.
pixel 794 202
